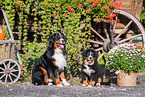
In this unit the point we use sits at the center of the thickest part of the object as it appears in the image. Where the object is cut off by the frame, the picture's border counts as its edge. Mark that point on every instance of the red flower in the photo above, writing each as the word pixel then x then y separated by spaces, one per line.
pixel 96 1
pixel 69 7
pixel 108 10
pixel 68 18
pixel 119 3
pixel 118 20
pixel 53 15
pixel 70 13
pixel 110 20
pixel 99 4
pixel 87 10
pixel 106 16
pixel 93 4
pixel 59 8
pixel 105 7
pixel 113 21
pixel 87 0
pixel 102 19
pixel 22 6
pixel 79 5
pixel 64 15
pixel 116 7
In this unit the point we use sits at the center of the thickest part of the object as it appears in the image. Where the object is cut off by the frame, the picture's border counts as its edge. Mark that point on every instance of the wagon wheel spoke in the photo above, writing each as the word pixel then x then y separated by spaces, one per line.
pixel 125 28
pixel 98 49
pixel 4 65
pixel 13 66
pixel 9 64
pixel 14 70
pixel 2 68
pixel 1 72
pixel 101 56
pixel 14 75
pixel 97 42
pixel 2 76
pixel 124 40
pixel 105 30
pixel 6 78
pixel 10 78
pixel 97 33
pixel 114 26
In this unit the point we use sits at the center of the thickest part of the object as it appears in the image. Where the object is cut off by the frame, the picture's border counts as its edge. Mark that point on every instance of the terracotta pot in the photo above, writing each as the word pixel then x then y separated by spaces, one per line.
pixel 2 34
pixel 124 79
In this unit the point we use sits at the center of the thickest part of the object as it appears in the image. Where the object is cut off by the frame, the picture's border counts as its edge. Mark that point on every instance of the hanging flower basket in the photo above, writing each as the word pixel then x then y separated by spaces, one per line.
pixel 125 79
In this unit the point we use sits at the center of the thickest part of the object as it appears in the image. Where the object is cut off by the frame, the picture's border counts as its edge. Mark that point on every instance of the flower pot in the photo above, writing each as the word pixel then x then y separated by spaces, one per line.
pixel 124 79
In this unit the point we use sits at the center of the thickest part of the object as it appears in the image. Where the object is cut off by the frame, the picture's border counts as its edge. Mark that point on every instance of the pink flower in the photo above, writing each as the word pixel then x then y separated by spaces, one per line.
pixel 18 2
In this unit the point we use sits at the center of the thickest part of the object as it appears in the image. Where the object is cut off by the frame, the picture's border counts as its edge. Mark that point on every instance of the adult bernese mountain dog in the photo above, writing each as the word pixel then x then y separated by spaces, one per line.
pixel 52 63
pixel 91 72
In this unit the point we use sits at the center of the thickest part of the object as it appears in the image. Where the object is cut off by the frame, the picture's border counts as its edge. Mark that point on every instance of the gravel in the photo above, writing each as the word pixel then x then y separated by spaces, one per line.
pixel 29 90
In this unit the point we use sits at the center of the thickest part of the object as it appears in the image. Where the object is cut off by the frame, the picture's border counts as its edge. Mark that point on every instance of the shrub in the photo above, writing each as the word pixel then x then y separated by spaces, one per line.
pixel 127 57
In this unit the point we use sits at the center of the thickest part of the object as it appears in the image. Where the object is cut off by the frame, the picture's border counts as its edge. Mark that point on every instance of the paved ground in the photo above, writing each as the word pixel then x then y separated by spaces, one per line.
pixel 29 90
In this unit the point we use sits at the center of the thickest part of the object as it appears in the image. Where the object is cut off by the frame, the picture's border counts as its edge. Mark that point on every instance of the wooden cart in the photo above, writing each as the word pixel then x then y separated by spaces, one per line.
pixel 10 70
pixel 128 28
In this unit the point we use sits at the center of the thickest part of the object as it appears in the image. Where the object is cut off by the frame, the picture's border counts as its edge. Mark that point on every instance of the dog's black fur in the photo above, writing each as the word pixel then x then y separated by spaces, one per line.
pixel 48 64
pixel 91 71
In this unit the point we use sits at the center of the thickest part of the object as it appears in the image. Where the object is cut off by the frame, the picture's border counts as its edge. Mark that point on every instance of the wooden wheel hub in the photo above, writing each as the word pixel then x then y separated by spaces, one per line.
pixel 107 45
pixel 7 71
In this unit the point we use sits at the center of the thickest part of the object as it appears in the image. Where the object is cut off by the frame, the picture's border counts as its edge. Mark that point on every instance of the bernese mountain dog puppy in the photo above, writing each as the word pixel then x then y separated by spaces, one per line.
pixel 91 72
pixel 52 63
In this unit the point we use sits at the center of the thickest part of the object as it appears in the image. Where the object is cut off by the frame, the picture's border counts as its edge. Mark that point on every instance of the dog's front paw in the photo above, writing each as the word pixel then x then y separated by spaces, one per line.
pixel 50 84
pixel 89 86
pixel 98 84
pixel 59 85
pixel 66 84
pixel 84 85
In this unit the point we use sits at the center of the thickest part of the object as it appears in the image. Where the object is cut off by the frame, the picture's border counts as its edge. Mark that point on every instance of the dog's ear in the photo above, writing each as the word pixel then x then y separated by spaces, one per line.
pixel 84 54
pixel 96 54
pixel 51 40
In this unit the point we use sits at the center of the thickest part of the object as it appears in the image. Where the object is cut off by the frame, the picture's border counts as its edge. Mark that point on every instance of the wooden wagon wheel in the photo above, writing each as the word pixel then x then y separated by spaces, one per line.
pixel 130 29
pixel 9 71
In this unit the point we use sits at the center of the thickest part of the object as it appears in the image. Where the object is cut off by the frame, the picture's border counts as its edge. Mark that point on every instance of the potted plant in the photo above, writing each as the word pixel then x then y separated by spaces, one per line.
pixel 126 60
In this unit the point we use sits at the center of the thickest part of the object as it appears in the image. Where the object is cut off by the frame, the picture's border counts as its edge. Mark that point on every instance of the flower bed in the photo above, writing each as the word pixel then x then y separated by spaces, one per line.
pixel 127 57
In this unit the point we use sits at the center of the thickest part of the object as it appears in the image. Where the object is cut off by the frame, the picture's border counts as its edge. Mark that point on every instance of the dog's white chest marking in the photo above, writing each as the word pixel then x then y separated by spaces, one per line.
pixel 59 59
pixel 88 70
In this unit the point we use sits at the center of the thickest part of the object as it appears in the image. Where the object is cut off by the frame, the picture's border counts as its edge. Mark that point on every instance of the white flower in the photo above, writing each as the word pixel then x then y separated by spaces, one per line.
pixel 126 58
